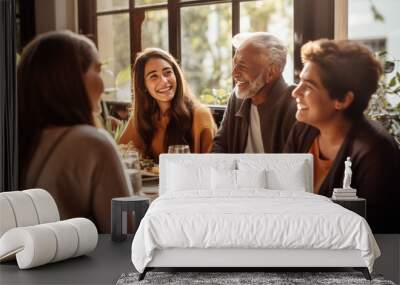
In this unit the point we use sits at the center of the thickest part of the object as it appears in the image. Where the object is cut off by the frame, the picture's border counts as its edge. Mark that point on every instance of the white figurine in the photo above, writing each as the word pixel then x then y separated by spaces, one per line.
pixel 347 174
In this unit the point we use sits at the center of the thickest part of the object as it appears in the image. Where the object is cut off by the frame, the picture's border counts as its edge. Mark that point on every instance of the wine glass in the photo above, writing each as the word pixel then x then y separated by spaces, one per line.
pixel 131 159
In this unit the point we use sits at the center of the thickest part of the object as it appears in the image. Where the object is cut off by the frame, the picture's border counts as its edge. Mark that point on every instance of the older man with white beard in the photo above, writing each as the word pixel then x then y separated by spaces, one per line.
pixel 261 111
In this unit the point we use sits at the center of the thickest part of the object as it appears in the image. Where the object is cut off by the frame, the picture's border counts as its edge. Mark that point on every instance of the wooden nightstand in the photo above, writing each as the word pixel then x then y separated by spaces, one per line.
pixel 357 205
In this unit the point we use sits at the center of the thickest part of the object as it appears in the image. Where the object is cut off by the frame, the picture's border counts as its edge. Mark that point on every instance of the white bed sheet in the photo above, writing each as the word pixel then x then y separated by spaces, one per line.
pixel 251 218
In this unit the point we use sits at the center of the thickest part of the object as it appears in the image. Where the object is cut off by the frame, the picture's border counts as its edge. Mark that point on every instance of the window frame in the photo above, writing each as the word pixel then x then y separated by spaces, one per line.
pixel 88 25
pixel 312 19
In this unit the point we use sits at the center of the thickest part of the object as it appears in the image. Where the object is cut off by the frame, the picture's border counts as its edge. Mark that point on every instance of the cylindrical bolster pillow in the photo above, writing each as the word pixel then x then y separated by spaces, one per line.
pixel 67 239
pixel 46 207
pixel 33 246
pixel 87 235
pixel 23 208
pixel 7 218
pixel 41 244
pixel 26 208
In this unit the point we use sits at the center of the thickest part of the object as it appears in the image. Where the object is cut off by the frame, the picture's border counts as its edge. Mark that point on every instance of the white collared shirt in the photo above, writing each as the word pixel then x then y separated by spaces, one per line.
pixel 254 138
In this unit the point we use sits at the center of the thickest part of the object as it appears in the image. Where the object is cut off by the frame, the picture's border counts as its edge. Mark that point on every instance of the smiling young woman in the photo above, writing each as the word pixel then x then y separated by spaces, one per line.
pixel 164 110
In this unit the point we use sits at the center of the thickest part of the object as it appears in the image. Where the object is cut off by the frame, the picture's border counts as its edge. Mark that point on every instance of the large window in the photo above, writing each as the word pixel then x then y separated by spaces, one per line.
pixel 206 51
pixel 197 33
pixel 275 17
pixel 377 24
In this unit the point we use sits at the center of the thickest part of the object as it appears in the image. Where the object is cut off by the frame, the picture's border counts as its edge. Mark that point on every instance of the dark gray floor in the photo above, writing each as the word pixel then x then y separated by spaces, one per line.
pixel 388 264
pixel 102 266
pixel 110 259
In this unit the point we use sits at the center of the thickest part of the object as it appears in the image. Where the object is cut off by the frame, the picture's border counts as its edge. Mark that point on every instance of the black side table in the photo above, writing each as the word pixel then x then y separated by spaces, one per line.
pixel 357 205
pixel 120 207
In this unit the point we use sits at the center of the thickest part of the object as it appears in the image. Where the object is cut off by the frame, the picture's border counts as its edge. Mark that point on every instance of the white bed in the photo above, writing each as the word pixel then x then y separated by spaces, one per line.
pixel 220 210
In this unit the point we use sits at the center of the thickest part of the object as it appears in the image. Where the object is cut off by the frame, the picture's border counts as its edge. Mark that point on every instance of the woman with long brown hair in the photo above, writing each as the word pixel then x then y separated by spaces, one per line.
pixel 164 110
pixel 60 149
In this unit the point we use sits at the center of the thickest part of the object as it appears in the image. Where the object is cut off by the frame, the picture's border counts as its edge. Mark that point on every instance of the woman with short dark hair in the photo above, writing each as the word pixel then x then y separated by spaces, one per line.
pixel 60 149
pixel 164 110
pixel 336 83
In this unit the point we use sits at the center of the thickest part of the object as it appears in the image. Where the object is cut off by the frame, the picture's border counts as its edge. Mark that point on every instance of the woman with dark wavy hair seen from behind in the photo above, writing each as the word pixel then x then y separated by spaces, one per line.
pixel 164 110
pixel 60 149
pixel 336 84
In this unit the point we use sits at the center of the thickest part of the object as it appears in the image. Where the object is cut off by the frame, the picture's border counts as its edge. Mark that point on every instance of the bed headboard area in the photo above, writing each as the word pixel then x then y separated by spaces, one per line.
pixel 206 171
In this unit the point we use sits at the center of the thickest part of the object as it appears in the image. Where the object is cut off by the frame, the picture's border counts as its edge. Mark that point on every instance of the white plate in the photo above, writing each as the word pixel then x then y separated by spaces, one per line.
pixel 150 190
pixel 149 178
pixel 148 173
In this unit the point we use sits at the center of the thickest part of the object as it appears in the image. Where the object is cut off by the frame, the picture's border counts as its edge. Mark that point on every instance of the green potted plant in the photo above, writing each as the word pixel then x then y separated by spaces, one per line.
pixel 384 105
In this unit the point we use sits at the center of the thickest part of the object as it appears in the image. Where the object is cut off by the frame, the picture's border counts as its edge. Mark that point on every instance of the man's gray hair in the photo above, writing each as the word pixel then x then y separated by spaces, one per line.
pixel 274 50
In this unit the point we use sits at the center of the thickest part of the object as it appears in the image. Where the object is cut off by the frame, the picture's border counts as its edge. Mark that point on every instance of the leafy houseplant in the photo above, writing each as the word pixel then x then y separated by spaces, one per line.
pixel 115 129
pixel 384 105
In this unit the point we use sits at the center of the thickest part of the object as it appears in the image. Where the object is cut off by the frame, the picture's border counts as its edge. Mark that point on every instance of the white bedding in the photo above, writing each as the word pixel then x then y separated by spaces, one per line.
pixel 251 218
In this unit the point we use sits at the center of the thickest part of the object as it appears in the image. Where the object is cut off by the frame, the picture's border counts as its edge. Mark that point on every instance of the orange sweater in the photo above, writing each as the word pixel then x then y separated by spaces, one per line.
pixel 203 131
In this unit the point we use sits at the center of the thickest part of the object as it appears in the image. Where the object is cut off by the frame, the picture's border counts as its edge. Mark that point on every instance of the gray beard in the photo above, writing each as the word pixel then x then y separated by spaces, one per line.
pixel 253 89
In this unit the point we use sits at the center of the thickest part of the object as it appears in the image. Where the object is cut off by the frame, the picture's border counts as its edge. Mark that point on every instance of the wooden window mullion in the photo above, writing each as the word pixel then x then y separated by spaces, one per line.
pixel 136 18
pixel 174 28
pixel 87 19
pixel 235 21
pixel 313 19
pixel 235 17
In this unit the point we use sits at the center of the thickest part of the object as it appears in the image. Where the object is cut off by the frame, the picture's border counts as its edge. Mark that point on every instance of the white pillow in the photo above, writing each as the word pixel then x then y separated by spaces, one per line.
pixel 251 178
pixel 228 179
pixel 281 174
pixel 223 179
pixel 182 177
pixel 292 179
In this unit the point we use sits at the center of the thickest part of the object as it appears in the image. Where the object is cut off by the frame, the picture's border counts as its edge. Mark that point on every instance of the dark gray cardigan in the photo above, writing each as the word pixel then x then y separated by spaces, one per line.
pixel 375 160
pixel 277 115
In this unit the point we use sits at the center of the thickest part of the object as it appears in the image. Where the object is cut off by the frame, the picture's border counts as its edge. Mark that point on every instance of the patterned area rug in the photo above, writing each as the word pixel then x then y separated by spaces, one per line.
pixel 229 278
